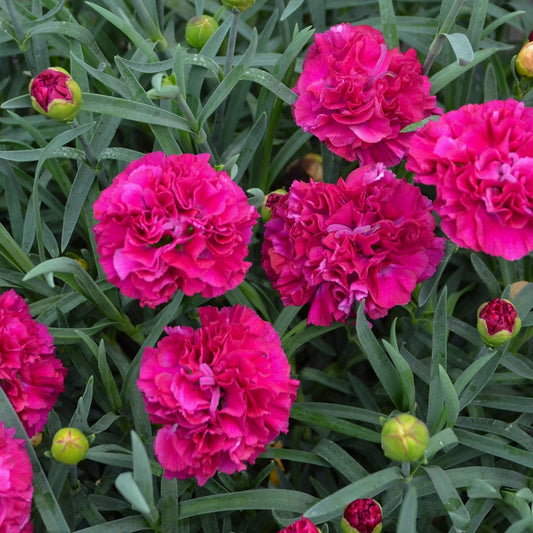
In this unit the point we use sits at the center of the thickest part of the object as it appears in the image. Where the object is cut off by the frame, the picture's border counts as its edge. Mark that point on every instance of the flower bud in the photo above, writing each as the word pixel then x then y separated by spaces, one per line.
pixel 271 200
pixel 497 322
pixel 524 60
pixel 362 516
pixel 301 526
pixel 55 94
pixel 69 446
pixel 199 30
pixel 241 5
pixel 404 438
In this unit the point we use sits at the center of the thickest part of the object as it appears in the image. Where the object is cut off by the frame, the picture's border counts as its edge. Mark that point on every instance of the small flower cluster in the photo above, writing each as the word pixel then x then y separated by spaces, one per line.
pixel 222 392
pixel 30 374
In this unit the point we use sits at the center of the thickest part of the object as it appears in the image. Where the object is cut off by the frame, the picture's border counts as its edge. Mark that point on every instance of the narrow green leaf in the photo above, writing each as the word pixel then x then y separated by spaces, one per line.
pixel 443 439
pixel 429 287
pixel 292 6
pixel 331 507
pixel 388 23
pixel 461 47
pixel 480 379
pixel 168 505
pixel 451 400
pixel 142 471
pixel 277 499
pixel 438 359
pixel 473 369
pixel 312 417
pixel 384 369
pixel 107 378
pixel 341 460
pixel 446 75
pixel 131 110
pixel 405 374
pixel 481 489
pixel 408 512
pixel 129 524
pixel 127 486
pixel 271 83
pixel 128 30
pixel 486 275
pixel 449 497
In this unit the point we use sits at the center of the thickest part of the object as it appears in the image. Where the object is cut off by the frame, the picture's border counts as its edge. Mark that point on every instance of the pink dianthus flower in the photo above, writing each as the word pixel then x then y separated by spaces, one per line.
pixel 480 159
pixel 369 237
pixel 16 489
pixel 30 374
pixel 356 95
pixel 222 392
pixel 173 222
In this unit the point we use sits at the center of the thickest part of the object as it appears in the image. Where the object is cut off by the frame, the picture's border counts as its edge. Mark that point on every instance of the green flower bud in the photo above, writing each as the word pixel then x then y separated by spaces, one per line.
pixel 404 438
pixel 69 446
pixel 241 5
pixel 199 30
pixel 524 60
pixel 55 94
pixel 497 322
pixel 362 516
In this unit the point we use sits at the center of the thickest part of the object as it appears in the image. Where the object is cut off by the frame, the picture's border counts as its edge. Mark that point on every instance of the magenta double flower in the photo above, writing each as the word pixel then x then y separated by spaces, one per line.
pixel 356 95
pixel 173 222
pixel 222 392
pixel 369 237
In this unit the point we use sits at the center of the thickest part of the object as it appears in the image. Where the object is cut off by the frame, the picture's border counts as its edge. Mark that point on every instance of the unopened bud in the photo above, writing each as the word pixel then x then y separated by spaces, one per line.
pixel 199 30
pixel 69 446
pixel 524 60
pixel 404 438
pixel 241 5
pixel 362 516
pixel 497 322
pixel 301 526
pixel 271 200
pixel 55 94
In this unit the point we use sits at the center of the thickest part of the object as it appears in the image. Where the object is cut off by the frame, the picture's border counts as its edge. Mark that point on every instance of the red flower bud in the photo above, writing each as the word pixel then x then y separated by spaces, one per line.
pixel 362 516
pixel 55 94
pixel 301 526
pixel 497 322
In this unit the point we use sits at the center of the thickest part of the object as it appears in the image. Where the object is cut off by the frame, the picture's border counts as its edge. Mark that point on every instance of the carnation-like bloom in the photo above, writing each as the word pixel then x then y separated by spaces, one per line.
pixel 222 392
pixel 369 237
pixel 356 95
pixel 30 374
pixel 16 487
pixel 304 525
pixel 173 222
pixel 480 159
